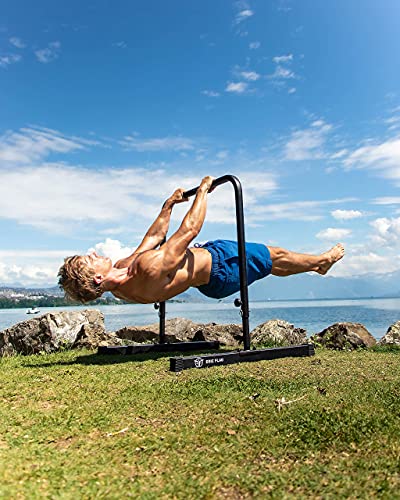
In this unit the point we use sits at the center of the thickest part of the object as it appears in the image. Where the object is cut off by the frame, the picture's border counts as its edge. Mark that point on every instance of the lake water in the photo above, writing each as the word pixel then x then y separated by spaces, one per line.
pixel 313 315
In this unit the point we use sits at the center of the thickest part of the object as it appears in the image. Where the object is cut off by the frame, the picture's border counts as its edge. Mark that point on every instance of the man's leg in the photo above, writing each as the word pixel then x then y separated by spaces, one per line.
pixel 286 263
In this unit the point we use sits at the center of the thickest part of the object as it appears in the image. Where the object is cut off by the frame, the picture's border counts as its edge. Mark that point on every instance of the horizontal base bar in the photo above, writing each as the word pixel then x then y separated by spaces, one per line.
pixel 171 347
pixel 228 358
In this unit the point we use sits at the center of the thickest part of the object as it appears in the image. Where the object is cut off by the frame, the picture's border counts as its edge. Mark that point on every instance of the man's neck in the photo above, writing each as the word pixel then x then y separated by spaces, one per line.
pixel 114 279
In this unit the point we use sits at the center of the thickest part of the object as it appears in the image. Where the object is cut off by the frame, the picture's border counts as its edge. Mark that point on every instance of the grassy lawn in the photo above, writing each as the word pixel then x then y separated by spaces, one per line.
pixel 75 425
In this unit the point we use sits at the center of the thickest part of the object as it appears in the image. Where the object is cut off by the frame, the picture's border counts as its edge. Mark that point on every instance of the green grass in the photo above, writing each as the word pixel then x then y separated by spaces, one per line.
pixel 216 433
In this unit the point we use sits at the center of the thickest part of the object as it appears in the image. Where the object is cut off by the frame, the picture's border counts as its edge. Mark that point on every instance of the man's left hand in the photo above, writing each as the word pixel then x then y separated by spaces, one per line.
pixel 177 197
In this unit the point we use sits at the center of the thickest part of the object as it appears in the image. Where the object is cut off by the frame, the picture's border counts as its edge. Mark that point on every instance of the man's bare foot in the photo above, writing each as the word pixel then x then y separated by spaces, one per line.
pixel 331 257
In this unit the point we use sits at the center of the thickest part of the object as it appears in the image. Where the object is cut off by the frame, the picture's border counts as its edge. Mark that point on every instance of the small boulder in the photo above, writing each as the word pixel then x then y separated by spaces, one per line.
pixel 392 336
pixel 344 336
pixel 54 331
pixel 176 330
pixel 278 332
pixel 230 335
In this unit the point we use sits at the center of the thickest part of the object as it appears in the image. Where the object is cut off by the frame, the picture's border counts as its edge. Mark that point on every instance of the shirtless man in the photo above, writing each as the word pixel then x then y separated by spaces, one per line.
pixel 155 275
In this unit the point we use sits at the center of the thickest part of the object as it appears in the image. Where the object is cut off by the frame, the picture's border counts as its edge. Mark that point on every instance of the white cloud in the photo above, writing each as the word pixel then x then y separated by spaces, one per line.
pixel 254 45
pixel 113 249
pixel 237 88
pixel 62 198
pixel 250 75
pixel 17 42
pixel 210 93
pixel 28 275
pixel 293 210
pixel 387 231
pixel 281 73
pixel 333 234
pixel 31 267
pixel 32 144
pixel 9 59
pixel 382 158
pixel 48 54
pixel 58 196
pixel 243 15
pixel 387 200
pixel 339 154
pixel 308 144
pixel 346 214
pixel 283 59
pixel 157 143
pixel 392 120
pixel 357 265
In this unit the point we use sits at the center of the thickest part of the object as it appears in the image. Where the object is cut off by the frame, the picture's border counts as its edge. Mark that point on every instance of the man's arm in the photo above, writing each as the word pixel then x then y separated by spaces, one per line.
pixel 157 231
pixel 172 253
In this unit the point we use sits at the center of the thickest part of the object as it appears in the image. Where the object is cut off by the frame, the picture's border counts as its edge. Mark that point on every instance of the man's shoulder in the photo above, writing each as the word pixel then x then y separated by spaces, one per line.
pixel 127 261
pixel 147 261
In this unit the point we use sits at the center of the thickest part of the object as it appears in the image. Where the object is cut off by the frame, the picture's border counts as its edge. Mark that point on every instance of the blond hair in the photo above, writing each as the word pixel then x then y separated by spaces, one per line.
pixel 76 277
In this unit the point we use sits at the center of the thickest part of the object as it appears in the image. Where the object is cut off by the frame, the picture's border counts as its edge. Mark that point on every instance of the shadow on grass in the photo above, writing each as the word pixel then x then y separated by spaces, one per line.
pixel 113 359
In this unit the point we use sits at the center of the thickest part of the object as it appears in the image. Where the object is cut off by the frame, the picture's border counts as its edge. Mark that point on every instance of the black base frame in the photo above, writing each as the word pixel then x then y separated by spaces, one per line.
pixel 228 358
pixel 178 364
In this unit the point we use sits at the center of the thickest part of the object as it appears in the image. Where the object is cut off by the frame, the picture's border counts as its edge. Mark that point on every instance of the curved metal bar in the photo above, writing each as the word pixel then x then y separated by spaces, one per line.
pixel 244 298
pixel 216 182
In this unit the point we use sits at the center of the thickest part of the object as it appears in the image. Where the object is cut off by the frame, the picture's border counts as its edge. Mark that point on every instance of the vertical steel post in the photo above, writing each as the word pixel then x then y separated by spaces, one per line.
pixel 161 312
pixel 244 297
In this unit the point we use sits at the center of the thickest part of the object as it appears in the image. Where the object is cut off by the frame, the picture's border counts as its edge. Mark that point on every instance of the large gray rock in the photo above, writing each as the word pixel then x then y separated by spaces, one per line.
pixel 231 334
pixel 184 330
pixel 176 330
pixel 344 336
pixel 278 332
pixel 52 331
pixel 392 336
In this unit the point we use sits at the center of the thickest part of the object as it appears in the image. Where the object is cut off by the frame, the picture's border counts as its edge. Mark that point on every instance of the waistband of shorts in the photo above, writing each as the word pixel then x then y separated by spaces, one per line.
pixel 215 262
pixel 215 259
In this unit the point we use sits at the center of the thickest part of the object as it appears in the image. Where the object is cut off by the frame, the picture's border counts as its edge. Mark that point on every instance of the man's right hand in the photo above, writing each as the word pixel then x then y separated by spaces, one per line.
pixel 206 183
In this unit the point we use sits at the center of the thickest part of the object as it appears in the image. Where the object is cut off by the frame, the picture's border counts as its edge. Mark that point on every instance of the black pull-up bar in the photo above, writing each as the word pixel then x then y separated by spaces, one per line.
pixel 244 296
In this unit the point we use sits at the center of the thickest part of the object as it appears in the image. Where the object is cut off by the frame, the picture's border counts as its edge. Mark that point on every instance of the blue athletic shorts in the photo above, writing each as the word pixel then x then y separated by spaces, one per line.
pixel 224 277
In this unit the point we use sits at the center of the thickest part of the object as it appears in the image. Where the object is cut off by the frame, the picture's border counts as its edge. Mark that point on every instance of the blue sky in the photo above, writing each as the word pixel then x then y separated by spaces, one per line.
pixel 107 107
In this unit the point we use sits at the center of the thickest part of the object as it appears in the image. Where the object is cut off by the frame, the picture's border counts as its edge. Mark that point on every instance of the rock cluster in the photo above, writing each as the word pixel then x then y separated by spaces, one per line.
pixel 55 331
pixel 184 330
pixel 278 332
